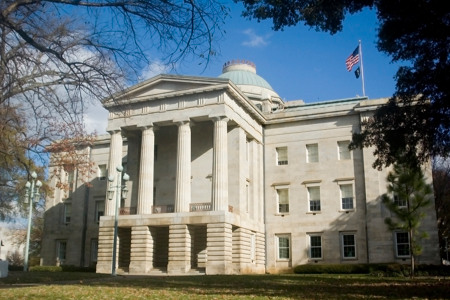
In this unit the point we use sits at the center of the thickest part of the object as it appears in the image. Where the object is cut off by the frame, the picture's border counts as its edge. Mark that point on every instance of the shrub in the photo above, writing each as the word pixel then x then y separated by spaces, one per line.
pixel 378 270
pixel 63 268
pixel 15 268
pixel 331 269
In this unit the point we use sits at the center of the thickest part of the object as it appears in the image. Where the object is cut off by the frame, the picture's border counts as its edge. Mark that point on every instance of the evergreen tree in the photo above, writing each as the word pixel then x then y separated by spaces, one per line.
pixel 408 194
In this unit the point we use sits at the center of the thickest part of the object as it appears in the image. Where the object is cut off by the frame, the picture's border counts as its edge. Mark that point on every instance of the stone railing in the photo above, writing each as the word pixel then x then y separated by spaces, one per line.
pixel 125 211
pixel 162 209
pixel 200 206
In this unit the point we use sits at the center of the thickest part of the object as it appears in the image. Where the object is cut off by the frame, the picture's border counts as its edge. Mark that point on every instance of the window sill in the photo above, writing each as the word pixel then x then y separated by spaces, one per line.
pixel 347 210
pixel 315 260
pixel 313 212
pixel 283 260
pixel 348 258
pixel 282 214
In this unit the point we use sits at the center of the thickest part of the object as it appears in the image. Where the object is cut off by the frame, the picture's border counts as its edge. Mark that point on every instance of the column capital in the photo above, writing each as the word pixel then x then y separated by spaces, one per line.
pixel 149 126
pixel 114 131
pixel 218 117
pixel 183 120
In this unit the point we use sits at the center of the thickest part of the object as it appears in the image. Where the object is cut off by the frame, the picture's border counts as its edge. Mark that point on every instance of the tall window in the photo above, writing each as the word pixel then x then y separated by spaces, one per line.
pixel 283 200
pixel 346 196
pixel 102 172
pixel 312 152
pixel 400 202
pixel 402 244
pixel 344 152
pixel 348 244
pixel 94 250
pixel 99 210
pixel 314 198
pixel 61 247
pixel 67 212
pixel 315 250
pixel 284 242
pixel 282 156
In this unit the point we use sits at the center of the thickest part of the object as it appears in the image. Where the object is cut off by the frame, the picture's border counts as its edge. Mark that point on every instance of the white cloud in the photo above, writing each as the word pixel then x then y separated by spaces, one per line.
pixel 153 70
pixel 254 39
pixel 96 118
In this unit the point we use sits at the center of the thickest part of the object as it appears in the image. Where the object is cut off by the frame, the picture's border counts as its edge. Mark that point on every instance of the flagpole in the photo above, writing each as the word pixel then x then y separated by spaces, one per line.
pixel 362 69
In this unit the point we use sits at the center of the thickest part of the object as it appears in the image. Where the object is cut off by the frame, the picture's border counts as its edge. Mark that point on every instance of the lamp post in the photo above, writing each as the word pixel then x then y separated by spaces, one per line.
pixel 31 195
pixel 121 191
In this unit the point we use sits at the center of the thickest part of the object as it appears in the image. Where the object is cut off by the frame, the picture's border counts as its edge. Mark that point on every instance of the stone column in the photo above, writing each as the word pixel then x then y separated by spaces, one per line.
pixel 141 258
pixel 179 249
pixel 183 176
pixel 115 159
pixel 219 249
pixel 145 194
pixel 220 165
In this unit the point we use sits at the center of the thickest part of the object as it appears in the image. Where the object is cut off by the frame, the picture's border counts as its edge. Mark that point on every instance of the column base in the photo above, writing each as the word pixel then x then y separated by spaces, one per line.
pixel 140 267
pixel 219 268
pixel 178 267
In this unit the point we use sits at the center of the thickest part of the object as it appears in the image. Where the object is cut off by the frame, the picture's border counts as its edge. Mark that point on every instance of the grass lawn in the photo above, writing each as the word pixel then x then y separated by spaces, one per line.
pixel 226 287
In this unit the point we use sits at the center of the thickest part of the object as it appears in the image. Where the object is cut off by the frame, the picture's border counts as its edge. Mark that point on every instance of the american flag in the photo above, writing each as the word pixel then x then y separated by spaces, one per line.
pixel 353 59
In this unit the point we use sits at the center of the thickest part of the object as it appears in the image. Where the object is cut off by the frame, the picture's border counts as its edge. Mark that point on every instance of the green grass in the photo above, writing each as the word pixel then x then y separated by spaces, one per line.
pixel 232 287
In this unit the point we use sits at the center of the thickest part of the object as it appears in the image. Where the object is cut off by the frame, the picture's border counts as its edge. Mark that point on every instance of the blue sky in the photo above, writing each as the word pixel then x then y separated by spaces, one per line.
pixel 299 62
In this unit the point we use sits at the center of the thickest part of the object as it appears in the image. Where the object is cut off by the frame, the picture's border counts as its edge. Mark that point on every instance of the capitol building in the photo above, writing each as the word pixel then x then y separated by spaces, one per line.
pixel 225 177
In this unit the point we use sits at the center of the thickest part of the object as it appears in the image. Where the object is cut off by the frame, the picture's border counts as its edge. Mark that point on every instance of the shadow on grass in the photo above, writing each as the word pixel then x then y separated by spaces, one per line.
pixel 291 286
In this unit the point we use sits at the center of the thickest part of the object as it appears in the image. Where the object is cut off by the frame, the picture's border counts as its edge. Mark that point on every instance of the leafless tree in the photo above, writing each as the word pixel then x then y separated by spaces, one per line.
pixel 57 56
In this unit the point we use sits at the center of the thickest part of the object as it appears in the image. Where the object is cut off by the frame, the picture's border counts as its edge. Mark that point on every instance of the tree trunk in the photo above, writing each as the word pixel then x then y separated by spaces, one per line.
pixel 411 253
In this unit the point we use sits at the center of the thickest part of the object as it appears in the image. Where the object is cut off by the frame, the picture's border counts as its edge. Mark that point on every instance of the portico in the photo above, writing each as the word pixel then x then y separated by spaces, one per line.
pixel 179 184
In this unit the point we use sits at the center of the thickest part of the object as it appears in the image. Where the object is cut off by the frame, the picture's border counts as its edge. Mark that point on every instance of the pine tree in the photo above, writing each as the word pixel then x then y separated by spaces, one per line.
pixel 408 194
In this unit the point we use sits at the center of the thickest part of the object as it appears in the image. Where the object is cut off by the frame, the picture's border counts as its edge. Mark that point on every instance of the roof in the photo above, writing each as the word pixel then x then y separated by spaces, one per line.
pixel 243 77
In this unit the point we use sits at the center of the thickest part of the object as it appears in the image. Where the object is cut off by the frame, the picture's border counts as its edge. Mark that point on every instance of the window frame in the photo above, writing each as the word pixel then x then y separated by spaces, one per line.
pixel 396 243
pixel 60 260
pixel 310 246
pixel 309 198
pixel 278 188
pixel 308 160
pixel 339 143
pixel 96 216
pixel 99 172
pixel 397 199
pixel 66 205
pixel 342 234
pixel 341 198
pixel 281 162
pixel 283 236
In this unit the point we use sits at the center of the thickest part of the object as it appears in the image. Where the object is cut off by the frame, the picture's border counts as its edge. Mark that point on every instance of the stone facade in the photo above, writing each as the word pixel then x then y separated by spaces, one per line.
pixel 226 178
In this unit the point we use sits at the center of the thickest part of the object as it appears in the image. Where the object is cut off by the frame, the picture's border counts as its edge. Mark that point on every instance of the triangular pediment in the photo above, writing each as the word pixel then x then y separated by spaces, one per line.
pixel 162 85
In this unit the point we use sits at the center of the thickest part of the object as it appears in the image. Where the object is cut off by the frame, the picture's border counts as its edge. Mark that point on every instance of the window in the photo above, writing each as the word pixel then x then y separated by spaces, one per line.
pixel 247 198
pixel 315 246
pixel 61 247
pixel 70 180
pixel 67 212
pixel 402 244
pixel 344 152
pixel 101 172
pixel 346 196
pixel 94 250
pixel 314 198
pixel 400 202
pixel 283 200
pixel 282 156
pixel 348 243
pixel 312 153
pixel 99 210
pixel 284 242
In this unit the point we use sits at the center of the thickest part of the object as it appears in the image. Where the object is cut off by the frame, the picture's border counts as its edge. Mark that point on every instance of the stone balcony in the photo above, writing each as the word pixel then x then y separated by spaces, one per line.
pixel 193 207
